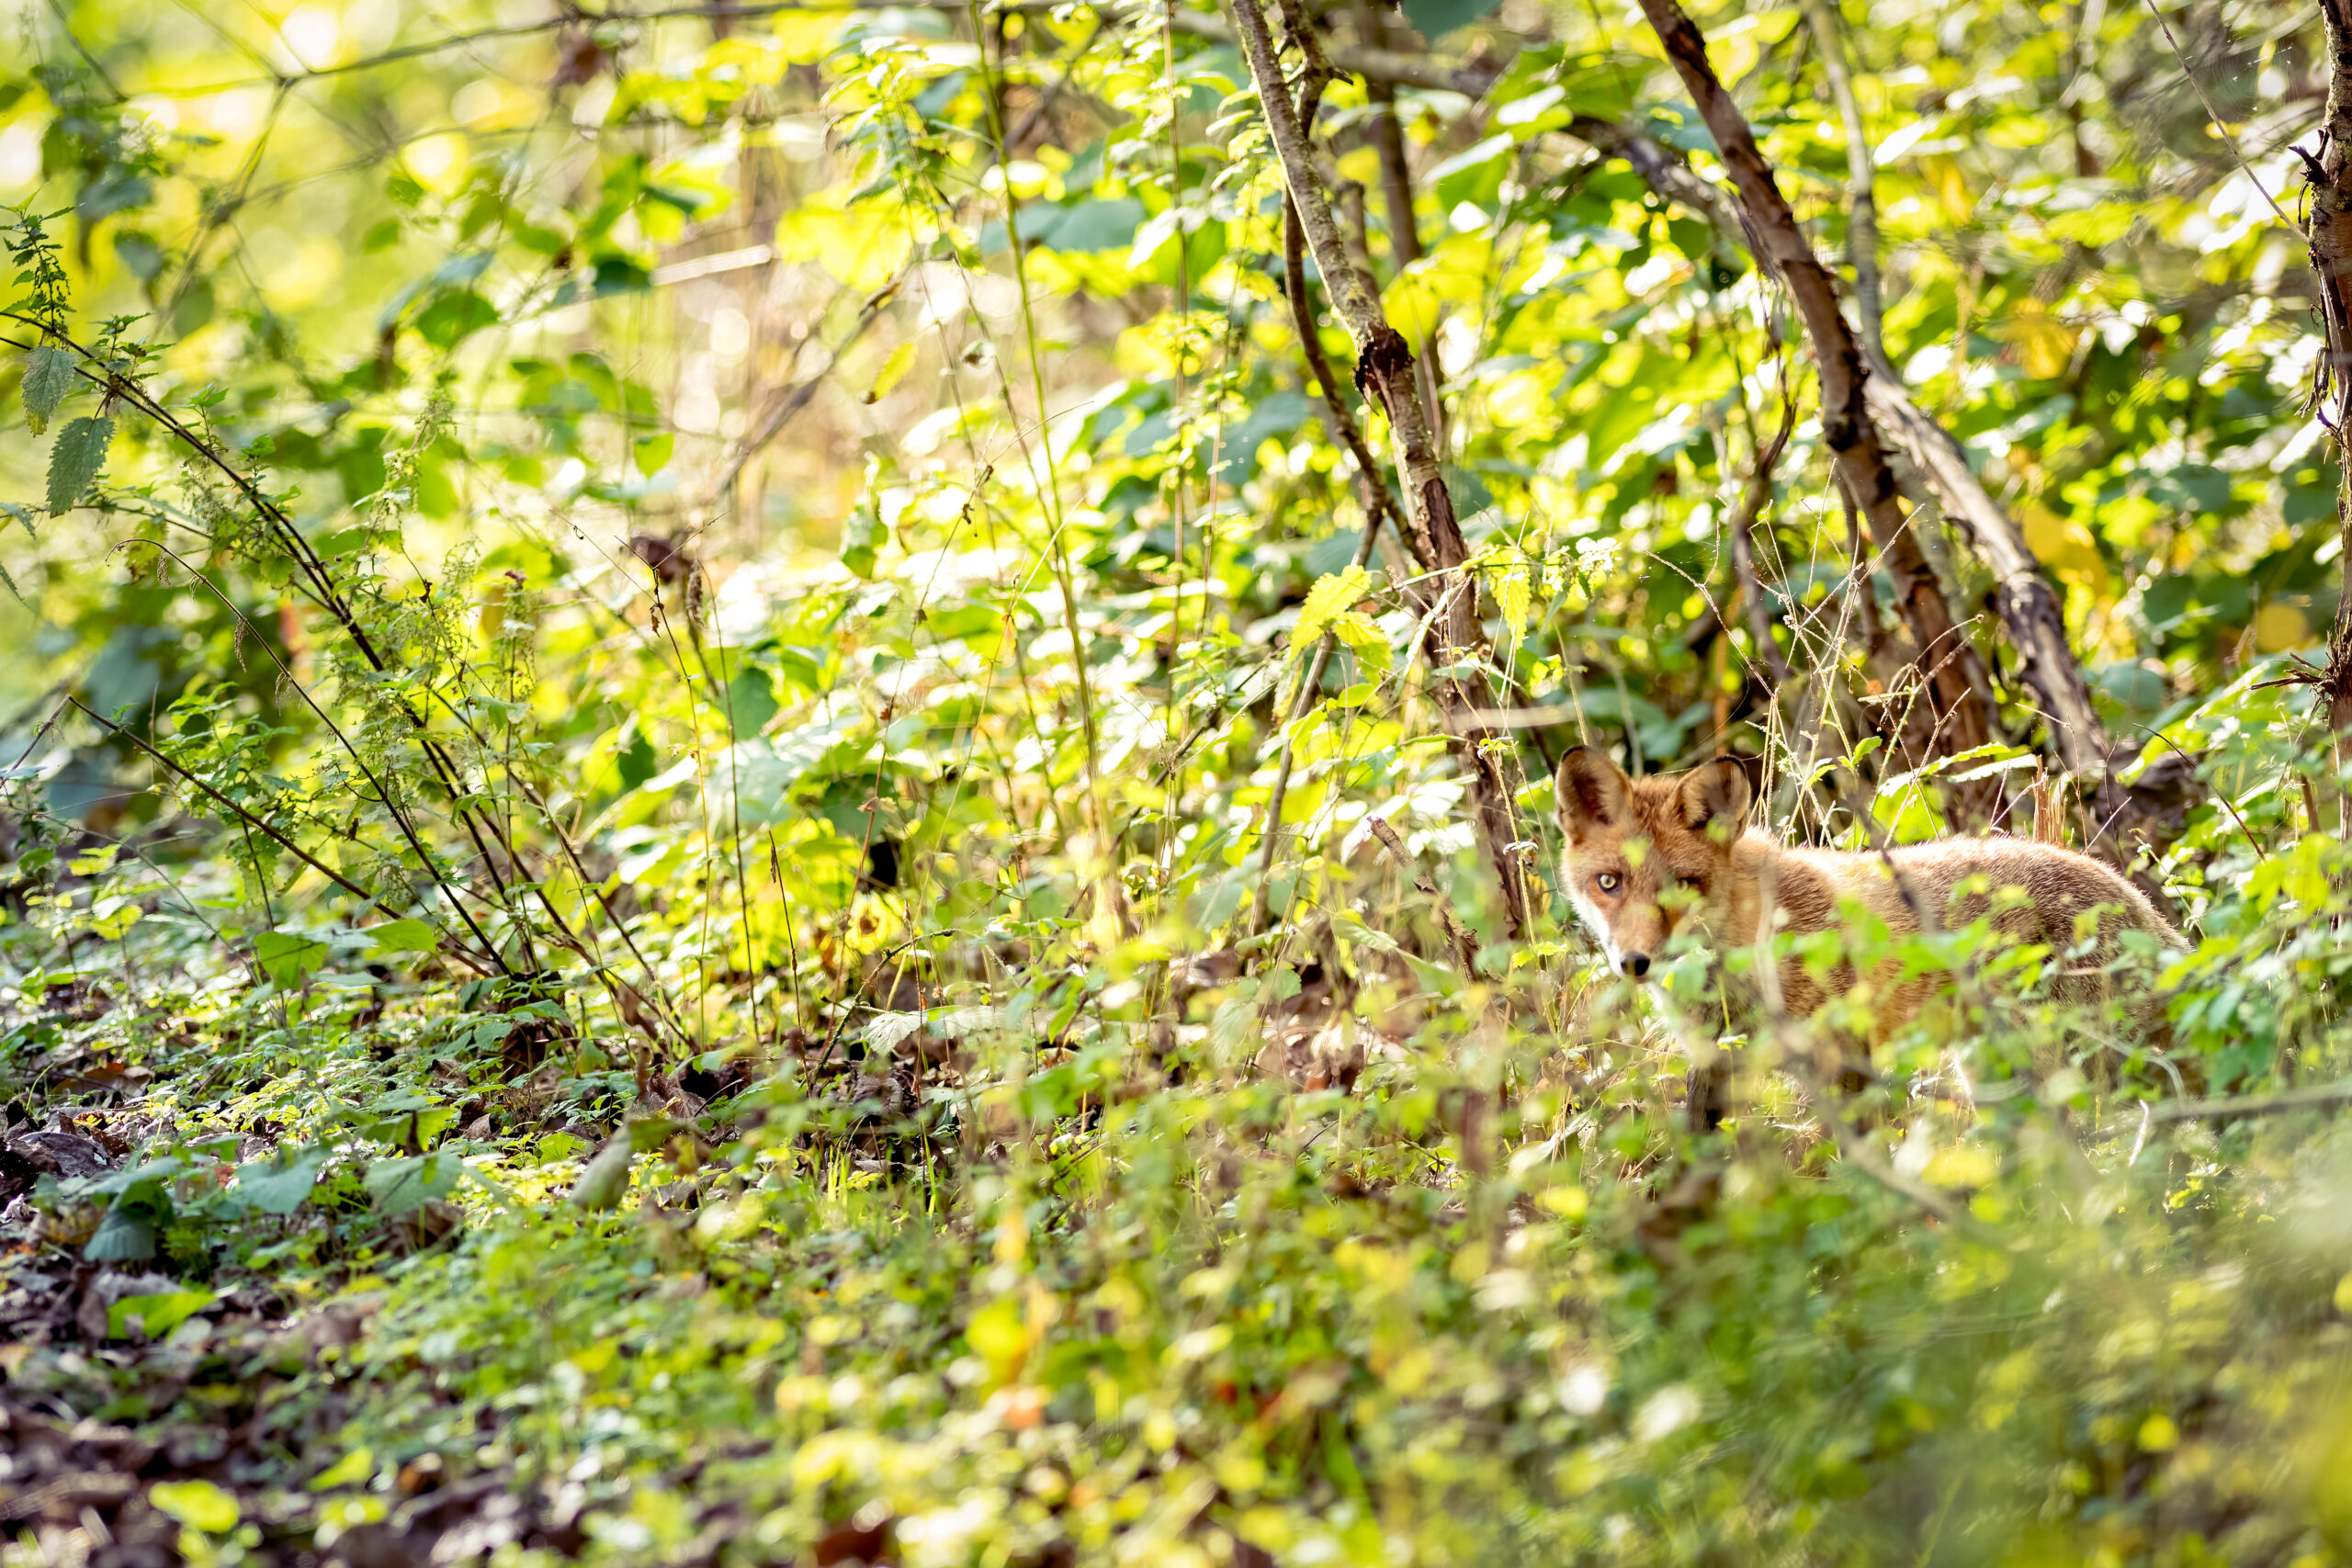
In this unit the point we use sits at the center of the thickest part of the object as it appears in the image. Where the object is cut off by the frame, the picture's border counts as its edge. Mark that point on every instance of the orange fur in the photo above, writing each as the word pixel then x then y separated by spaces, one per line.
pixel 1644 859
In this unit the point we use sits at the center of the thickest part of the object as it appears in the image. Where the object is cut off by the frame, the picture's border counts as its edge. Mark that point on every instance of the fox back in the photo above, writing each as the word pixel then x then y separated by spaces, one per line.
pixel 1647 859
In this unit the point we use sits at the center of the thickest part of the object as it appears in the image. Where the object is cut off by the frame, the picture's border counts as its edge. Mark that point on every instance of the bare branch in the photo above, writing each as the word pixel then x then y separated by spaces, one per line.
pixel 1953 671
pixel 1385 369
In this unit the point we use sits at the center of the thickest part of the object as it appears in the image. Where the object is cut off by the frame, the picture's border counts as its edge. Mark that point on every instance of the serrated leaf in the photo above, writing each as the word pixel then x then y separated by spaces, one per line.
pixel 49 375
pixel 1364 639
pixel 1513 595
pixel 75 459
pixel 1325 601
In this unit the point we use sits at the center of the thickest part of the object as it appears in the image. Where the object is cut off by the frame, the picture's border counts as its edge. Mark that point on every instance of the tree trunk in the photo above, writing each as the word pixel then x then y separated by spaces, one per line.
pixel 1384 371
pixel 2329 231
pixel 1946 659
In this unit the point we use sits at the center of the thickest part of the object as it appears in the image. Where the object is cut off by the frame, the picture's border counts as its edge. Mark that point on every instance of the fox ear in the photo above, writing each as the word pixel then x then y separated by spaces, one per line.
pixel 1714 793
pixel 1593 792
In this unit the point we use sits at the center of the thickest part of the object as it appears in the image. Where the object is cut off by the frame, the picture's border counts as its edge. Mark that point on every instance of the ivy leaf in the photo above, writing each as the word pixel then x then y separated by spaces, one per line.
pixel 75 459
pixel 49 375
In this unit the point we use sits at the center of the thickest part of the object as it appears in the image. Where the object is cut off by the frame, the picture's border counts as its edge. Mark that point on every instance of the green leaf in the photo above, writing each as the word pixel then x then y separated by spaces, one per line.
pixel 276 1187
pixel 75 459
pixel 1326 602
pixel 602 1185
pixel 400 1185
pixel 288 957
pixel 637 761
pixel 894 370
pixel 198 1504
pixel 49 375
pixel 751 700
pixel 861 538
pixel 1364 639
pixel 1435 19
pixel 122 1237
pixel 158 1315
pixel 404 936
pixel 349 1471
pixel 653 452
pixel 455 315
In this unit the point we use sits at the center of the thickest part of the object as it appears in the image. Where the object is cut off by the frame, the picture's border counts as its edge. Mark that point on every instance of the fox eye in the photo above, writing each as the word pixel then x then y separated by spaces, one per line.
pixel 1607 881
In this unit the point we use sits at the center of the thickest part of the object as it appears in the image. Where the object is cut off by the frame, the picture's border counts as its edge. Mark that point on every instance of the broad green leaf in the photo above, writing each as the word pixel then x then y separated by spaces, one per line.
pixel 1435 19
pixel 75 457
pixel 1513 594
pixel 49 375
pixel 122 1237
pixel 1364 639
pixel 159 1314
pixel 288 957
pixel 400 1185
pixel 278 1186
pixel 750 700
pixel 404 936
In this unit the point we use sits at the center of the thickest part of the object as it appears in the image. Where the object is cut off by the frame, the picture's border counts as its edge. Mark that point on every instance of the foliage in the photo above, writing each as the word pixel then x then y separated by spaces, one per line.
pixel 648 657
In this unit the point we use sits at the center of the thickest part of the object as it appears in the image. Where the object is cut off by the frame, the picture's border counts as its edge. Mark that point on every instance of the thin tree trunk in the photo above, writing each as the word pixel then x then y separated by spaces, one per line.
pixel 2028 603
pixel 1946 659
pixel 2329 231
pixel 1385 370
pixel 1387 132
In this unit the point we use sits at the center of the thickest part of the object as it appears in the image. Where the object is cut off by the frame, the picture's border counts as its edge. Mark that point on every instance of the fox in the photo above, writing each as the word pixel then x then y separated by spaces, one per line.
pixel 1647 859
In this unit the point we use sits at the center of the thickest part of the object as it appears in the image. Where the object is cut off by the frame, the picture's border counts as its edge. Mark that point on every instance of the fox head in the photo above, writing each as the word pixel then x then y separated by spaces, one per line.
pixel 1644 859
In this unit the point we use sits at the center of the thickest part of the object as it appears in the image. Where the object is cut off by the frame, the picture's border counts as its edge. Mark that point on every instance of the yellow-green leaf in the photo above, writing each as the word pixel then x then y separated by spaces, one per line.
pixel 1514 592
pixel 1325 601
pixel 894 370
pixel 1364 639
pixel 198 1504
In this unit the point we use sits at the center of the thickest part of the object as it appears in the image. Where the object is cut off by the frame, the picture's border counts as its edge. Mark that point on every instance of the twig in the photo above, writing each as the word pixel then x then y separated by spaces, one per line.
pixel 1466 946
pixel 1743 547
pixel 2253 1104
pixel 1385 369
pixel 796 399
pixel 1859 460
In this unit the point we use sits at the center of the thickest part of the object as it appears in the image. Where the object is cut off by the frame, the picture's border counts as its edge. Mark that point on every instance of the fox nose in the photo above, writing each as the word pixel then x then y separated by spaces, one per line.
pixel 1637 965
